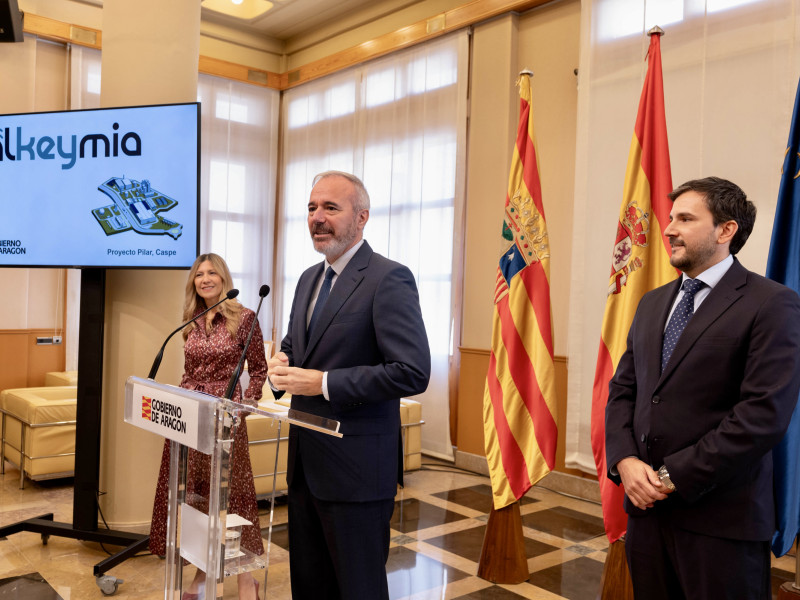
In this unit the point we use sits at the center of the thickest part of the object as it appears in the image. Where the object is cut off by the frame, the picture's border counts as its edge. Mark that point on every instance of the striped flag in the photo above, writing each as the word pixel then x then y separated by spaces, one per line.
pixel 519 400
pixel 639 263
pixel 783 265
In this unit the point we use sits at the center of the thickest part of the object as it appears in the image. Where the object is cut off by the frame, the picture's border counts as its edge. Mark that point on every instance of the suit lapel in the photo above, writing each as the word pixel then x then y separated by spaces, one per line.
pixel 346 283
pixel 721 298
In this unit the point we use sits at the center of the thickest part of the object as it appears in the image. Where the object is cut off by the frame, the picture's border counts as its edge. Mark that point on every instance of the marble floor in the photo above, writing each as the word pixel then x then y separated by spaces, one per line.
pixel 437 528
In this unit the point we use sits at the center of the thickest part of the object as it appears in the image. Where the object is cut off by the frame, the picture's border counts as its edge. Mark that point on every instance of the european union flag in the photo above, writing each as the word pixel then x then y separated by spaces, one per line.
pixel 783 265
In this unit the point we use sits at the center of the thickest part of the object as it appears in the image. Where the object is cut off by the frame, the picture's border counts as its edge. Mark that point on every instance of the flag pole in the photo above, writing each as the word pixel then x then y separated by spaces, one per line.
pixel 791 590
pixel 520 429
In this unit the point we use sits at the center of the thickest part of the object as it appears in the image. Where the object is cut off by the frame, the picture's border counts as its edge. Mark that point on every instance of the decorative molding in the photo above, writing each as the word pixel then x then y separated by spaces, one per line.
pixel 421 31
pixel 416 33
pixel 58 31
pixel 237 72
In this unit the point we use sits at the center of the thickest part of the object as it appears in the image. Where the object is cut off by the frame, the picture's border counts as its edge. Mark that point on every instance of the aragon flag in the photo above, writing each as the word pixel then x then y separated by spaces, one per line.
pixel 639 263
pixel 519 400
pixel 783 265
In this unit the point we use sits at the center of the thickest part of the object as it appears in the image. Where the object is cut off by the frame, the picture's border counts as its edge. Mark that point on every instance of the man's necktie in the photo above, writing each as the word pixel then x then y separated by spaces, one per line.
pixel 324 292
pixel 680 317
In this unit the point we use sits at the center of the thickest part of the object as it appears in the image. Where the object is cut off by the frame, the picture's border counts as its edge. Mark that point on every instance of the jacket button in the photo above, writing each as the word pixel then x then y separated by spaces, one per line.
pixel 644 437
pixel 656 399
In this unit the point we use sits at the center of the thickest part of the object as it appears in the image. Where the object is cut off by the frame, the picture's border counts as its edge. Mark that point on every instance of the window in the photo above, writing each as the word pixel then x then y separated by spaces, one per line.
pixel 399 123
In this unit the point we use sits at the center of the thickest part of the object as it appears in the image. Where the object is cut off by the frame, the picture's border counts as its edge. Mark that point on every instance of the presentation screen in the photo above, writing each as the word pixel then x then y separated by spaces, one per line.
pixel 115 188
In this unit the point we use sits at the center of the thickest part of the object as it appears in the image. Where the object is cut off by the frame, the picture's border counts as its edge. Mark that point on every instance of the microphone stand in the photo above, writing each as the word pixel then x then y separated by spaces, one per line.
pixel 238 370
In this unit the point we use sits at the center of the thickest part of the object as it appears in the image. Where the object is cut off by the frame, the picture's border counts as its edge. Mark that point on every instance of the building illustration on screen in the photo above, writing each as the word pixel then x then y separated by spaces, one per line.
pixel 136 206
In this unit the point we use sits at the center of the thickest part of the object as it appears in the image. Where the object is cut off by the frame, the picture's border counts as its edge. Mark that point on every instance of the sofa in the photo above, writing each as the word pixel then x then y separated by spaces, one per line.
pixel 38 431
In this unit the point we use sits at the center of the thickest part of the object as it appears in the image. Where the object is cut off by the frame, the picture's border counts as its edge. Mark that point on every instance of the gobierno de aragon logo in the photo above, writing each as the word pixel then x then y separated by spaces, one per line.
pixel 12 247
pixel 16 145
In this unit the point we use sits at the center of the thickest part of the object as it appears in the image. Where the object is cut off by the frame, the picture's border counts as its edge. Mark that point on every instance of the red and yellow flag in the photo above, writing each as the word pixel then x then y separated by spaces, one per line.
pixel 519 401
pixel 639 263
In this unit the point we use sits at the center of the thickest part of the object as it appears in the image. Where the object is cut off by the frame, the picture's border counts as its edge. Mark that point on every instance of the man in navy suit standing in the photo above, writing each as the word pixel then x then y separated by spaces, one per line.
pixel 703 393
pixel 356 344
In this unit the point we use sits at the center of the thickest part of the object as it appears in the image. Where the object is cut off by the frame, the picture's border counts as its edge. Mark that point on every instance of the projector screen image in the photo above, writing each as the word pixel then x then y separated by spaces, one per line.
pixel 115 187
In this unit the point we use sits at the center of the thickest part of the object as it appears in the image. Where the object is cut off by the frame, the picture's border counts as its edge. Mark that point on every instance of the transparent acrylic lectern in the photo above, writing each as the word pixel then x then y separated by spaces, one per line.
pixel 207 424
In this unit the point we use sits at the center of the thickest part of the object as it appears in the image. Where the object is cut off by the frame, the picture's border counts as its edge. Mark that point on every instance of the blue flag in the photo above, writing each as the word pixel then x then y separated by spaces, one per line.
pixel 783 265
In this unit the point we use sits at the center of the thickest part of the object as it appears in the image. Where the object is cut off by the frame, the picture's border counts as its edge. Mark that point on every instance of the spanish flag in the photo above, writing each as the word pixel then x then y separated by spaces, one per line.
pixel 519 400
pixel 639 262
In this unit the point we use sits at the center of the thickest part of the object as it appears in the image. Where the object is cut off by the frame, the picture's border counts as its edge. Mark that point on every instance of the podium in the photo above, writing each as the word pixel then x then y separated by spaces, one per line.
pixel 207 424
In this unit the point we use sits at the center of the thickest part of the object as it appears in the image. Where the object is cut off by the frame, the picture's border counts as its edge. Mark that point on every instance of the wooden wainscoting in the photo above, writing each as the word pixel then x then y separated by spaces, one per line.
pixel 22 362
pixel 469 417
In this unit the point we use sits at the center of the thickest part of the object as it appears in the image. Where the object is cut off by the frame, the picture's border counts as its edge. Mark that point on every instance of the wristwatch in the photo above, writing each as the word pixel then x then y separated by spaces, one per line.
pixel 663 476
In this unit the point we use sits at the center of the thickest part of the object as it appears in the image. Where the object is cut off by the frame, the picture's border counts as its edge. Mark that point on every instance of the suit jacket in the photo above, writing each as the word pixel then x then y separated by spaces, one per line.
pixel 371 340
pixel 722 403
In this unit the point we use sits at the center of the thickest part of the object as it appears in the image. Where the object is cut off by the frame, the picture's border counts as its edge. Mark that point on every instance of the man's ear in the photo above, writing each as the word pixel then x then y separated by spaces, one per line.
pixel 728 230
pixel 362 218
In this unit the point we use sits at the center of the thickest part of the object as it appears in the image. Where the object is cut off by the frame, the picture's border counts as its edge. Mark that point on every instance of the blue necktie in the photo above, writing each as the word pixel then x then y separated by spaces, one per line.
pixel 324 292
pixel 680 317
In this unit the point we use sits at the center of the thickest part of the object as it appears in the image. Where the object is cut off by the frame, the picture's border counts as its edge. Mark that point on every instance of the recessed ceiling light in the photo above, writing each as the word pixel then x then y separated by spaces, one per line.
pixel 240 9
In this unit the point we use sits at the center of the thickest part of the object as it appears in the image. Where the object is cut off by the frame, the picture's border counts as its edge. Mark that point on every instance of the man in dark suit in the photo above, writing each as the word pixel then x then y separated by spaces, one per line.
pixel 703 393
pixel 356 344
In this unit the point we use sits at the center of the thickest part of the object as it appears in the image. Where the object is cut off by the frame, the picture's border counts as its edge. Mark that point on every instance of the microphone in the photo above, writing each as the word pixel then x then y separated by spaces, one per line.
pixel 262 292
pixel 157 362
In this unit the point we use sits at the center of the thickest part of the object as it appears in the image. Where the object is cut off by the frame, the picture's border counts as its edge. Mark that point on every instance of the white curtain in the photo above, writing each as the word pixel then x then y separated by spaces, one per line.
pixel 399 123
pixel 730 73
pixel 84 78
pixel 239 157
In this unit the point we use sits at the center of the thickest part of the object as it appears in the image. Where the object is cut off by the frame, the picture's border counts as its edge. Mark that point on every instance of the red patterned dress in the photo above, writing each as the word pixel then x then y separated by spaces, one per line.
pixel 210 359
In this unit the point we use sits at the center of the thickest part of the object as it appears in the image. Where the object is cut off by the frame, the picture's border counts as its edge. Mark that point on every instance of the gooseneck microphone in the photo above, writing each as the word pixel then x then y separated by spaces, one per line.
pixel 238 371
pixel 157 362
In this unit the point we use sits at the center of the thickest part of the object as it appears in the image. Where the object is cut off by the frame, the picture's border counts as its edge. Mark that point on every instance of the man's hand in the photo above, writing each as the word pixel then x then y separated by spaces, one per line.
pixel 296 381
pixel 642 484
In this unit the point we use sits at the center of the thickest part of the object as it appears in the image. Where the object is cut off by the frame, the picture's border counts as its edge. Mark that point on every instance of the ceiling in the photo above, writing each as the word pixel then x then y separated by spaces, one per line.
pixel 291 18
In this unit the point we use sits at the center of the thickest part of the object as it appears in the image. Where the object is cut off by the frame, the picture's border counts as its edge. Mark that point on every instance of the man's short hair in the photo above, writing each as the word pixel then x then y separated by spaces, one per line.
pixel 361 198
pixel 727 202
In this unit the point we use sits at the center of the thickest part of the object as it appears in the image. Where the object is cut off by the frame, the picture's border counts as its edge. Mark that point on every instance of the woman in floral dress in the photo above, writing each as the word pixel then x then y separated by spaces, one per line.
pixel 213 345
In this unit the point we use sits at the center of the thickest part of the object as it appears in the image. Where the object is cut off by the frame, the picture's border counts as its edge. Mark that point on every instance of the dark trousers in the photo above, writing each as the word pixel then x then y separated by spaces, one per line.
pixel 668 563
pixel 337 550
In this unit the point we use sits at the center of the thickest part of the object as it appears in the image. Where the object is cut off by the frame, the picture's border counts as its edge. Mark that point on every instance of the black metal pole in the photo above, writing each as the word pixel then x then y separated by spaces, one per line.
pixel 90 395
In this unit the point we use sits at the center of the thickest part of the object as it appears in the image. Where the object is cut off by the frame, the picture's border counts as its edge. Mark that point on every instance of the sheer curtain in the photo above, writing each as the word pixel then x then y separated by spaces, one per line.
pixel 399 123
pixel 239 157
pixel 730 74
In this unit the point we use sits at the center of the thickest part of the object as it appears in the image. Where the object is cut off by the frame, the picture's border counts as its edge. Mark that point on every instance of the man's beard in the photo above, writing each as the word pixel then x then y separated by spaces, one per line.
pixel 337 245
pixel 694 256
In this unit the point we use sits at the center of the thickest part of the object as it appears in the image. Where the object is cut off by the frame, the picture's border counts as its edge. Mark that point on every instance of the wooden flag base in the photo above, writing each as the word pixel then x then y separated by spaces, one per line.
pixel 788 592
pixel 503 557
pixel 616 582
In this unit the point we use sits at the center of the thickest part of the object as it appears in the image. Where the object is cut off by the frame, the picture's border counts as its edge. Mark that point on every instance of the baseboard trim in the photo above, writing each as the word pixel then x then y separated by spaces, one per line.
pixel 563 483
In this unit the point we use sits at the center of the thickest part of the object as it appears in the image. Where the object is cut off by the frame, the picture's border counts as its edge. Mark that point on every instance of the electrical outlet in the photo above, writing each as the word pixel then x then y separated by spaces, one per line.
pixel 56 339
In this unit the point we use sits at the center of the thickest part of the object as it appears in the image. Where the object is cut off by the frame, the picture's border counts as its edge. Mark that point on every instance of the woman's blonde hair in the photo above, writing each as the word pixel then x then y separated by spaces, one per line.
pixel 231 309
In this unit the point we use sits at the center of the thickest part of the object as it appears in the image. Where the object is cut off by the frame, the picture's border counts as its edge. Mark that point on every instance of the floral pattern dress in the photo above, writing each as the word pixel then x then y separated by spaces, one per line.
pixel 210 358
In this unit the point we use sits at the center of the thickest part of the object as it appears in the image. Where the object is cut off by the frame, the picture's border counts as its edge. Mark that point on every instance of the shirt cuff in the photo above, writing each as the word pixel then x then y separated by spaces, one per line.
pixel 325 386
